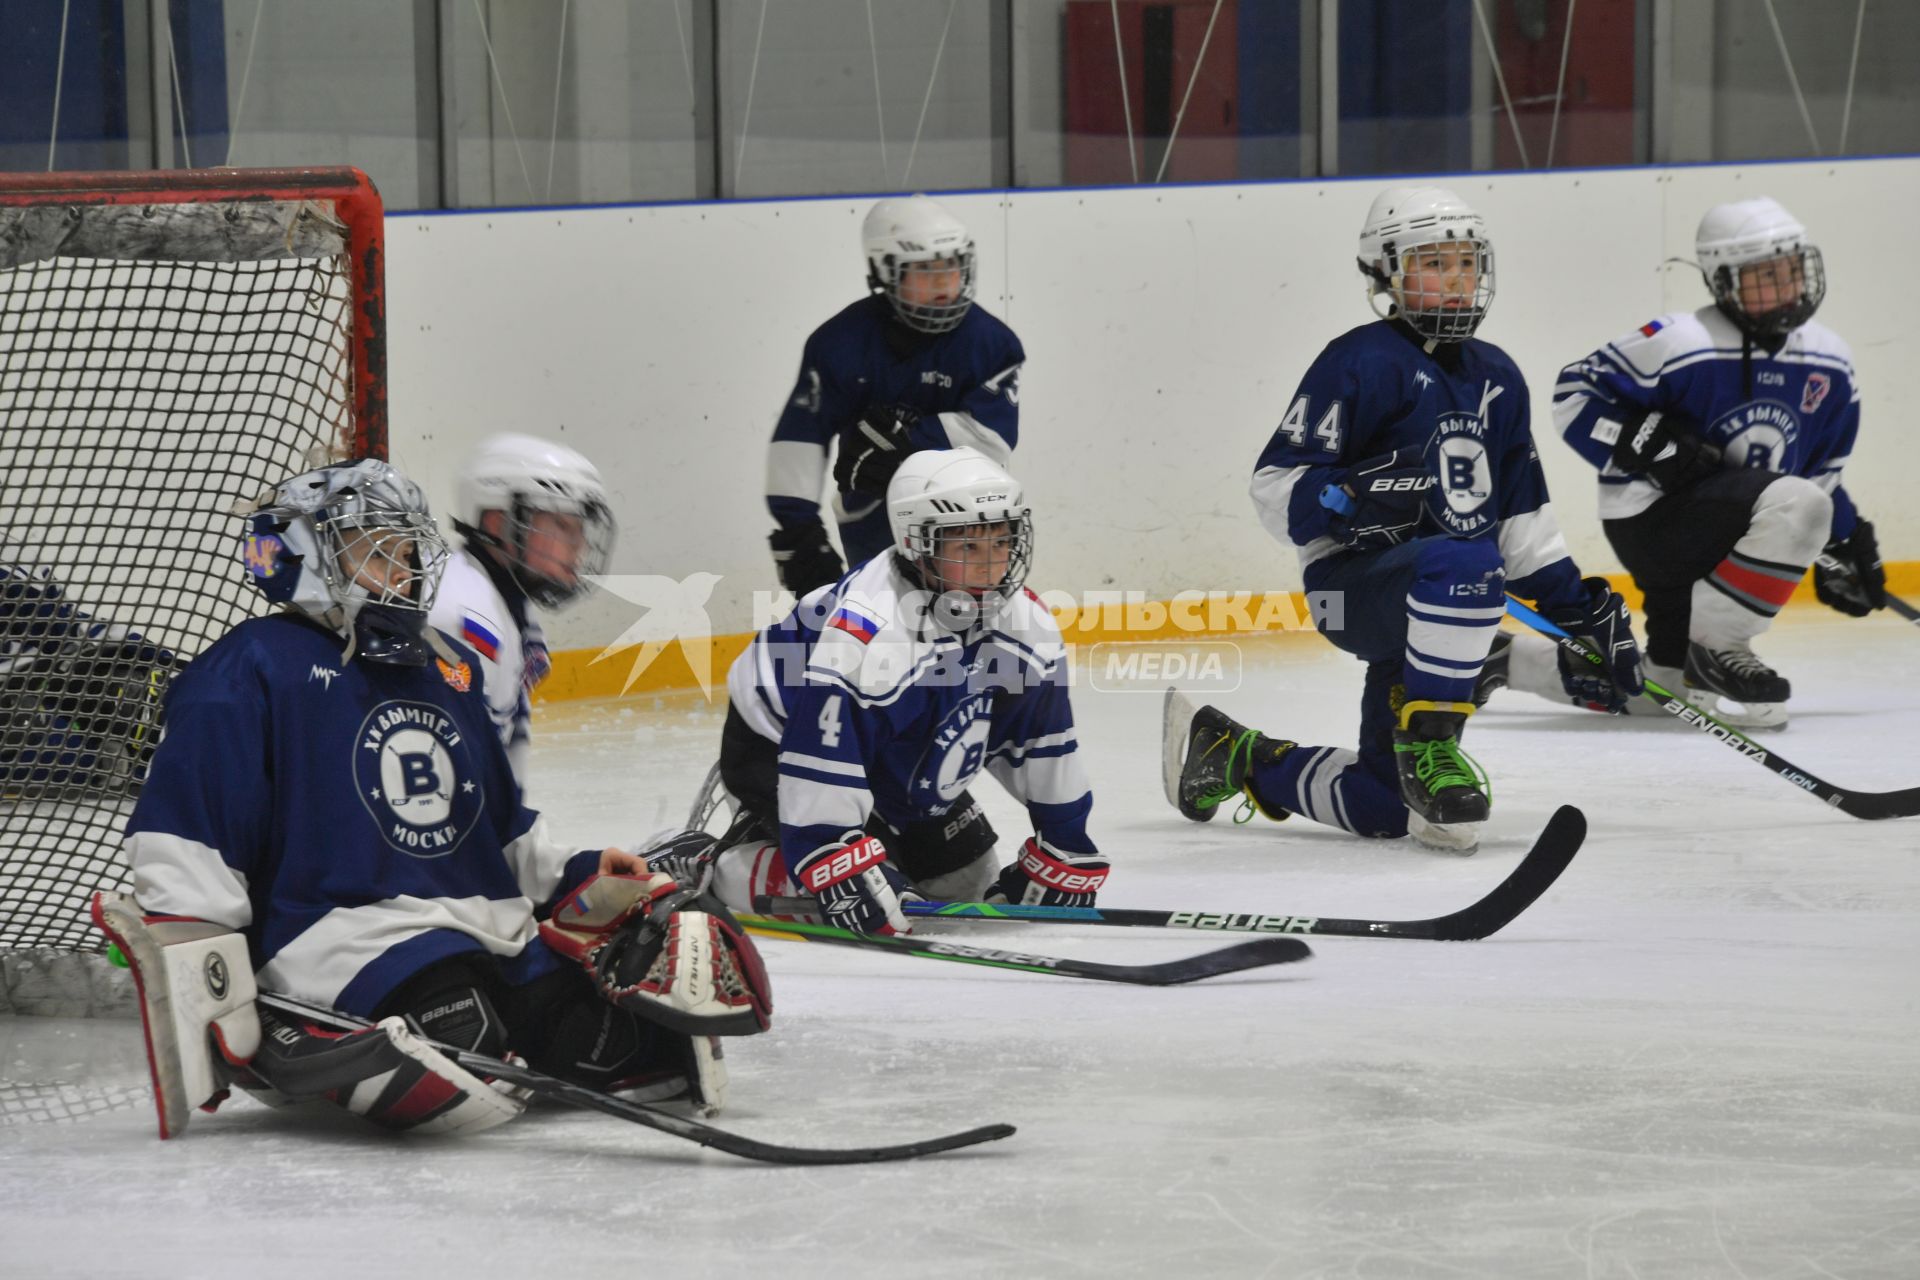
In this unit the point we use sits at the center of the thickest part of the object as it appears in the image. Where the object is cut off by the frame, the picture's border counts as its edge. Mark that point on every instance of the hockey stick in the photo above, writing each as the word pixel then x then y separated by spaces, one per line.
pixel 706 1135
pixel 1871 805
pixel 1208 964
pixel 1552 850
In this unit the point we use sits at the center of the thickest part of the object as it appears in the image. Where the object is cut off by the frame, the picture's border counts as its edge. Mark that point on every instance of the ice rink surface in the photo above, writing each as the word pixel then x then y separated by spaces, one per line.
pixel 1697 1056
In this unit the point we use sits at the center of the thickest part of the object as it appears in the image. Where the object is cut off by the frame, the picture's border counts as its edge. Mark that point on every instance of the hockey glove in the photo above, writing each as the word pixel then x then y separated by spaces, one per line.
pixel 1604 623
pixel 804 558
pixel 1666 450
pixel 670 955
pixel 873 448
pixel 684 857
pixel 1043 876
pixel 195 982
pixel 859 890
pixel 1381 502
pixel 1848 575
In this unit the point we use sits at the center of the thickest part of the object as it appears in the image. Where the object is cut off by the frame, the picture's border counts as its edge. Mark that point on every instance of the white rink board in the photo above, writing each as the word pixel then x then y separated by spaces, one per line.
pixel 1165 327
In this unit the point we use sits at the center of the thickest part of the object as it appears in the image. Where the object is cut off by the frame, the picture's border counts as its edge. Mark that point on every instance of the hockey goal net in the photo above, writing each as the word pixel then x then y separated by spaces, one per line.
pixel 171 344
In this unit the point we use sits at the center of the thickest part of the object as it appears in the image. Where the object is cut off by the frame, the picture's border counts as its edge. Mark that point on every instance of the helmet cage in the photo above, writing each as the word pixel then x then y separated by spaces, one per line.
pixel 1444 324
pixel 921 546
pixel 399 549
pixel 1777 322
pixel 887 272
pixel 597 531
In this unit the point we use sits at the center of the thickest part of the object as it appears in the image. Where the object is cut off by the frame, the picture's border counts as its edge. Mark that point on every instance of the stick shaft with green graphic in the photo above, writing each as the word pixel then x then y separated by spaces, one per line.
pixel 1870 805
pixel 1256 954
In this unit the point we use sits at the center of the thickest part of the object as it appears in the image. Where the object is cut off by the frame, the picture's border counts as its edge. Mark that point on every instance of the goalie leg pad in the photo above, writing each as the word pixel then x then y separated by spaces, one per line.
pixel 195 981
pixel 384 1072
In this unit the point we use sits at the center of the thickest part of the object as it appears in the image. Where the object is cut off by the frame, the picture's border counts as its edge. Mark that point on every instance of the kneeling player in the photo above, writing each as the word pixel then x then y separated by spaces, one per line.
pixel 1404 473
pixel 1720 436
pixel 859 720
pixel 332 812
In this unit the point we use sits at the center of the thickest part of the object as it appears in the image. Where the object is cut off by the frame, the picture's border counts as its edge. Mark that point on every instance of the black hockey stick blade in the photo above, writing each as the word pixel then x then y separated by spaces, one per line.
pixel 1552 850
pixel 706 1135
pixel 1255 954
pixel 1870 805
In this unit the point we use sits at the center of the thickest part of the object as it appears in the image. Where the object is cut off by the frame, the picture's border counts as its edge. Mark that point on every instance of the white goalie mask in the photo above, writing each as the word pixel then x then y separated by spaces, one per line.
pixel 352 546
pixel 557 527
pixel 921 257
pixel 1766 276
pixel 1406 220
pixel 963 525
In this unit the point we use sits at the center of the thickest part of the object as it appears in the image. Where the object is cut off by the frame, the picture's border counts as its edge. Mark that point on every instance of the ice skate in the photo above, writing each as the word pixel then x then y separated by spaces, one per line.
pixel 1446 792
pixel 1207 757
pixel 1734 674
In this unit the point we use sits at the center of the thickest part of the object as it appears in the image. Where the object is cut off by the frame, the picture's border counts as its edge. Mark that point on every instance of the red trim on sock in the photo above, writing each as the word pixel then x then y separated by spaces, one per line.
pixel 1761 586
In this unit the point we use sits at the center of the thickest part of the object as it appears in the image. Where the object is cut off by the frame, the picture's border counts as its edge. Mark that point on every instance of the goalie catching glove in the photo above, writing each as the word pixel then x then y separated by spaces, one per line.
pixel 858 888
pixel 670 955
pixel 196 988
pixel 1043 876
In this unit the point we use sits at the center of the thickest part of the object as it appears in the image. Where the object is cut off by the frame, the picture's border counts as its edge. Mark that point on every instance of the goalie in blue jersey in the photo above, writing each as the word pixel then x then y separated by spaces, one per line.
pixel 1404 475
pixel 331 813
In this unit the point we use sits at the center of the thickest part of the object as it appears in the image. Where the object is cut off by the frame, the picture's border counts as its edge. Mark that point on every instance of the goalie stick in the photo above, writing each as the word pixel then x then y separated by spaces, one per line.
pixel 1208 964
pixel 706 1135
pixel 1871 805
pixel 1552 850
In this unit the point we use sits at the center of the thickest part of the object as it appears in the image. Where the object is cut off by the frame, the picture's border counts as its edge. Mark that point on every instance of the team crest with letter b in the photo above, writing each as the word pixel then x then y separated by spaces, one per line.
pixel 411 770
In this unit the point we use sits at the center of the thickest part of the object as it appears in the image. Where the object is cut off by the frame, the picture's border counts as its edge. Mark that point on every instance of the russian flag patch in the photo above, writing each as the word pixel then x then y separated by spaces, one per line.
pixel 1650 328
pixel 480 636
pixel 854 623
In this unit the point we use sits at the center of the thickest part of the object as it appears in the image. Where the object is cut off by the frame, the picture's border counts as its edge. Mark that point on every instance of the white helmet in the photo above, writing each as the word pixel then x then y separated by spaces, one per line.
pixel 319 540
pixel 902 232
pixel 518 475
pixel 1745 232
pixel 939 490
pixel 1406 218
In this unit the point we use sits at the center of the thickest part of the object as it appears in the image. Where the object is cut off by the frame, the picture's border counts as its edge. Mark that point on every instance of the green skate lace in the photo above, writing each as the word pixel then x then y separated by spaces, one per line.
pixel 1440 763
pixel 1243 746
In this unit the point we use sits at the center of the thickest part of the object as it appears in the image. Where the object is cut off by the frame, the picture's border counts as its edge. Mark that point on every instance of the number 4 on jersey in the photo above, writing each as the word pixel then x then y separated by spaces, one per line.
pixel 830 722
pixel 1326 431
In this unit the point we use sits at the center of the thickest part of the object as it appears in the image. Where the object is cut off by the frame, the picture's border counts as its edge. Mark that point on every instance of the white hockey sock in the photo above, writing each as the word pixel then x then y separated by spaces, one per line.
pixel 1734 603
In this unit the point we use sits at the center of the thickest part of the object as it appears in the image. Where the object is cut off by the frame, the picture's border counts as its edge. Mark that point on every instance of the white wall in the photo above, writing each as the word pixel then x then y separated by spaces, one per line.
pixel 1166 329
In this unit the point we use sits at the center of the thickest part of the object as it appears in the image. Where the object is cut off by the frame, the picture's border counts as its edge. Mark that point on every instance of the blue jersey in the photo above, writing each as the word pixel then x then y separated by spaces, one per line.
pixel 1463 408
pixel 1794 409
pixel 876 707
pixel 965 384
pixel 358 822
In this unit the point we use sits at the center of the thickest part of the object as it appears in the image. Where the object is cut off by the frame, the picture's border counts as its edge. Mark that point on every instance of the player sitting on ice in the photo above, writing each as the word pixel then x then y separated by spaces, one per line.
pixel 1404 473
pixel 331 811
pixel 1720 435
pixel 914 365
pixel 537 525
pixel 859 720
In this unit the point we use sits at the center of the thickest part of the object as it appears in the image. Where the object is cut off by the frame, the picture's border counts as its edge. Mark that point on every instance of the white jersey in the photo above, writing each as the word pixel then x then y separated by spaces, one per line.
pixel 877 707
pixel 470 608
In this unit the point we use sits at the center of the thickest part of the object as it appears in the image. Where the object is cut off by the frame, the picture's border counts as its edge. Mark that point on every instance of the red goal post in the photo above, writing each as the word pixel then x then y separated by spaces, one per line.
pixel 172 343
